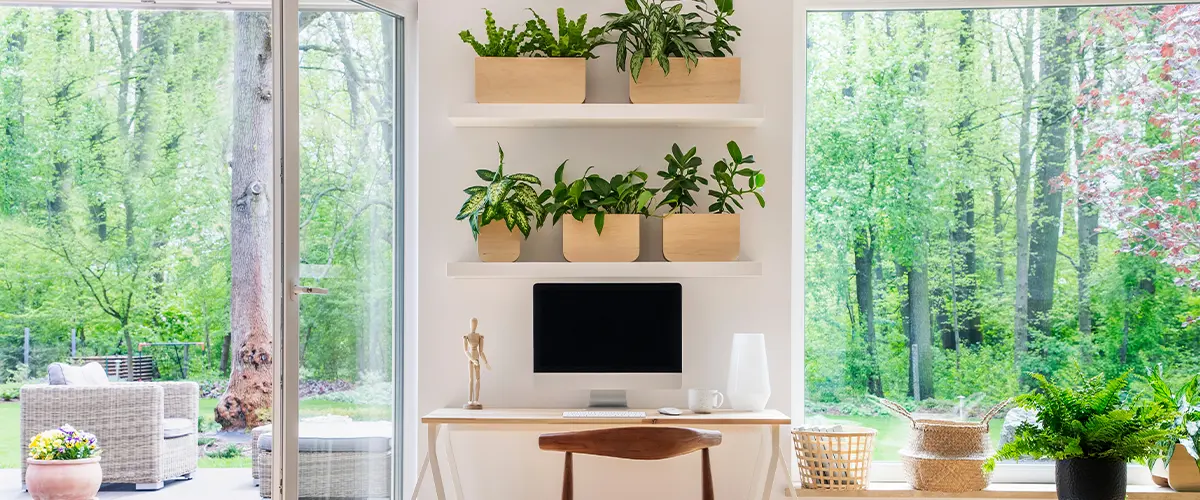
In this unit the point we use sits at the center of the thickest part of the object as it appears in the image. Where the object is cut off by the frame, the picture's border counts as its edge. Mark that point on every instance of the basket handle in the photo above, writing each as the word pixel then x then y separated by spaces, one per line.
pixel 987 417
pixel 894 407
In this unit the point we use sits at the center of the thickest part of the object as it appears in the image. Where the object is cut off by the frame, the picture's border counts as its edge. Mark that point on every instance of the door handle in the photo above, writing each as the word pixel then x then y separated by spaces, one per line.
pixel 309 290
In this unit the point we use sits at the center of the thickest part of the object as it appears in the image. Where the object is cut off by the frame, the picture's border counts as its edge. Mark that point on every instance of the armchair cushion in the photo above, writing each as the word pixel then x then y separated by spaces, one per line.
pixel 91 374
pixel 177 427
pixel 334 437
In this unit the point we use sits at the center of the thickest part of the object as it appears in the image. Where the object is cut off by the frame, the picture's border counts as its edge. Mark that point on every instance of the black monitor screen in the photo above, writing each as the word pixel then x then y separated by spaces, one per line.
pixel 607 328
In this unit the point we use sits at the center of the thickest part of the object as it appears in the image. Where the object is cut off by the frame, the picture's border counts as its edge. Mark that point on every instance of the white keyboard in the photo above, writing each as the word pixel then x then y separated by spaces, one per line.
pixel 604 414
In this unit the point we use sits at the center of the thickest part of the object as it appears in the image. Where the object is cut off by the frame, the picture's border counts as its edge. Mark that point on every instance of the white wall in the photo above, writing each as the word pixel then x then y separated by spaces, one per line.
pixel 503 465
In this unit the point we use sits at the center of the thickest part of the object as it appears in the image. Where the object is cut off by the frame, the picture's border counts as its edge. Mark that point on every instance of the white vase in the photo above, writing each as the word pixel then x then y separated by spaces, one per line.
pixel 749 382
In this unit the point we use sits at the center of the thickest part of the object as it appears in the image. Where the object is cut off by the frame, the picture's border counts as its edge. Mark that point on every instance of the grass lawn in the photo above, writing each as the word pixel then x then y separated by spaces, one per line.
pixel 10 427
pixel 893 433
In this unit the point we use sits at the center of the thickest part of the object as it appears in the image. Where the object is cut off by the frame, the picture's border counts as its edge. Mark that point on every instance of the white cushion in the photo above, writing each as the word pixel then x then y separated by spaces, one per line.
pixel 335 437
pixel 177 427
pixel 91 374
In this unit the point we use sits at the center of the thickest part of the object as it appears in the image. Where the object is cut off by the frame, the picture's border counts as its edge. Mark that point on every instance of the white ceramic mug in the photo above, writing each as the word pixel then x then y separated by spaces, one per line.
pixel 705 400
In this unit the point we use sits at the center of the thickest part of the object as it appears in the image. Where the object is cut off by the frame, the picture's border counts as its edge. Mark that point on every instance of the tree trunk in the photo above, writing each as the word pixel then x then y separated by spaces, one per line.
pixel 922 333
pixel 1021 201
pixel 864 285
pixel 906 325
pixel 1054 113
pixel 1088 215
pixel 250 379
pixel 64 23
pixel 967 324
pixel 226 347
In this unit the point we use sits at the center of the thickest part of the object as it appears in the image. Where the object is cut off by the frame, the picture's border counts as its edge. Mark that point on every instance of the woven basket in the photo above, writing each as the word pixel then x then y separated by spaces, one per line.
pixel 945 455
pixel 834 460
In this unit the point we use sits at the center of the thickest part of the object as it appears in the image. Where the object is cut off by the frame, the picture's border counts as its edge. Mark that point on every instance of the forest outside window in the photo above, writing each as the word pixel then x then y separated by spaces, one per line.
pixel 992 193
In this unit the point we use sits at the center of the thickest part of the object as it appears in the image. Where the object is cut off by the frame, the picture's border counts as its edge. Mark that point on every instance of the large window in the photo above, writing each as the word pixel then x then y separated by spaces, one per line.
pixel 992 193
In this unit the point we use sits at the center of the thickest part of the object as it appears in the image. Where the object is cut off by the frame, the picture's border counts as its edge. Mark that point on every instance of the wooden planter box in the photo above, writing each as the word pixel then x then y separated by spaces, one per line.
pixel 498 244
pixel 702 237
pixel 530 80
pixel 1182 473
pixel 714 80
pixel 620 241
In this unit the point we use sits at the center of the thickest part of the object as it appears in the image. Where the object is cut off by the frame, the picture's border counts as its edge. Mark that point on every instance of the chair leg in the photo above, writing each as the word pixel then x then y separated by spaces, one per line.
pixel 568 480
pixel 706 486
pixel 148 486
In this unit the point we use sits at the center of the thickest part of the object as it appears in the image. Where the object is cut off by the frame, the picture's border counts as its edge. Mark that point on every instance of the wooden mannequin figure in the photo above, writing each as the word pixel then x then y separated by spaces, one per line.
pixel 473 348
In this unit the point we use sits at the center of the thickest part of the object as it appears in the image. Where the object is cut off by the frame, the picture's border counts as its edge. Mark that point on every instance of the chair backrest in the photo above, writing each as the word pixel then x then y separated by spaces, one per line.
pixel 634 443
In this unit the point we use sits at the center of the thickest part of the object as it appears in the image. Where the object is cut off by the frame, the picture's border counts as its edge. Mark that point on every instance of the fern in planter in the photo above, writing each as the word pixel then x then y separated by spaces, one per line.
pixel 683 178
pixel 508 198
pixel 501 42
pixel 573 40
pixel 1092 421
pixel 622 194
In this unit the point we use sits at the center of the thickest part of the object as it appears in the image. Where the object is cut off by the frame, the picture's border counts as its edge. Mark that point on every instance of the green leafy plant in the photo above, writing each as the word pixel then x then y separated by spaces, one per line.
pixel 501 42
pixel 508 198
pixel 573 40
pixel 683 178
pixel 1094 421
pixel 655 30
pixel 594 195
pixel 1186 402
pixel 229 451
pixel 721 32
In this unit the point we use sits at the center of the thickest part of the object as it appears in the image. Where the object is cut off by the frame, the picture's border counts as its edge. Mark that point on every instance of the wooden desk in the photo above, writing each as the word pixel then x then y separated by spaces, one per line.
pixel 769 420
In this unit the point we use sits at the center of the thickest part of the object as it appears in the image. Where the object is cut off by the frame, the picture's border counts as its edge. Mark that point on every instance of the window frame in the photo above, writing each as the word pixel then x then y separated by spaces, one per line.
pixel 885 471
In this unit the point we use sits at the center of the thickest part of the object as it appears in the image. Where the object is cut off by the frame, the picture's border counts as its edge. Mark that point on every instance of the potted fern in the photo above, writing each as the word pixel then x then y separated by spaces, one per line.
pixel 1092 431
pixel 534 65
pixel 601 217
pixel 677 56
pixel 506 203
pixel 1178 452
pixel 714 236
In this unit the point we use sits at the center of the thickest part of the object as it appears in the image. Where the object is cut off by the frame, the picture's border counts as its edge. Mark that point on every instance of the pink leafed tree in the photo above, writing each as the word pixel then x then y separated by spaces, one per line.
pixel 1141 116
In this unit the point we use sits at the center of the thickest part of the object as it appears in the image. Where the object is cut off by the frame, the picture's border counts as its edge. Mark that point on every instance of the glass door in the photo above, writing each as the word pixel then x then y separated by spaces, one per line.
pixel 341 248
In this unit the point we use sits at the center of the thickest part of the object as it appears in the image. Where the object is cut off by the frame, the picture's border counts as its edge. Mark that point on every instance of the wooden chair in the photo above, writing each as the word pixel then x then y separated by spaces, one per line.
pixel 634 443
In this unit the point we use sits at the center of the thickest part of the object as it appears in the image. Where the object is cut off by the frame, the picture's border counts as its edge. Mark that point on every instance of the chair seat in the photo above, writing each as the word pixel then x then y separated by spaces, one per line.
pixel 339 437
pixel 177 427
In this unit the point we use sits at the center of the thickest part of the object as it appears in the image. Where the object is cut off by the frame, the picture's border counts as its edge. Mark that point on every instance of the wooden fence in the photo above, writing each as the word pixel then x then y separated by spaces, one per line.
pixel 118 366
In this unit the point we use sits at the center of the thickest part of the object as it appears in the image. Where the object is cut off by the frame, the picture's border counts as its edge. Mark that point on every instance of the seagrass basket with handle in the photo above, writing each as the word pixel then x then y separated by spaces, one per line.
pixel 946 455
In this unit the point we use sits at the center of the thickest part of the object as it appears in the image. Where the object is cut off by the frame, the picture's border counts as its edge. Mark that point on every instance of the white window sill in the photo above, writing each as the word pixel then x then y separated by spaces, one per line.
pixel 1010 490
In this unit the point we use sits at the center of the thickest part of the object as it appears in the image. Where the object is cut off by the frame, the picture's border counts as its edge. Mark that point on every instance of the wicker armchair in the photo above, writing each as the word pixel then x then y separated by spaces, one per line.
pixel 146 431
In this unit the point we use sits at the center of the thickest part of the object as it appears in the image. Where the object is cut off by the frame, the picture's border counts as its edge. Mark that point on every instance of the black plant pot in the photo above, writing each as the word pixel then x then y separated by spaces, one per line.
pixel 1087 479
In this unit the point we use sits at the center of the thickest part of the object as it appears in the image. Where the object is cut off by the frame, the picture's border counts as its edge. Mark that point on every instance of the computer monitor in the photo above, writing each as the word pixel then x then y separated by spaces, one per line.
pixel 608 337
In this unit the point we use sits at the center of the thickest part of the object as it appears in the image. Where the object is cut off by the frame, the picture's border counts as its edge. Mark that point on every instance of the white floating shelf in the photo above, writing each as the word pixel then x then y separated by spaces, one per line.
pixel 607 115
pixel 600 270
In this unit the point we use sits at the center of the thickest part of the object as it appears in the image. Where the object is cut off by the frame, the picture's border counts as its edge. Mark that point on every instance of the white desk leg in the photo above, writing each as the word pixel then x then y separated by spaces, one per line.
pixel 770 485
pixel 458 491
pixel 784 465
pixel 420 477
pixel 433 462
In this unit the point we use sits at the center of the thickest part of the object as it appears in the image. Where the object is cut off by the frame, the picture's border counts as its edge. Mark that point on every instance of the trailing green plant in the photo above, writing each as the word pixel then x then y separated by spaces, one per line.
pixel 501 42
pixel 721 32
pixel 573 40
pixel 507 198
pixel 655 30
pixel 683 178
pixel 728 195
pixel 1095 420
pixel 592 194
pixel 229 451
pixel 1186 403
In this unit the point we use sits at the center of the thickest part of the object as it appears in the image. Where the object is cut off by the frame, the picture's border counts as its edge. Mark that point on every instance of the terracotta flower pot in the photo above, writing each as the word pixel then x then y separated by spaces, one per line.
pixel 713 80
pixel 63 479
pixel 619 242
pixel 498 244
pixel 702 237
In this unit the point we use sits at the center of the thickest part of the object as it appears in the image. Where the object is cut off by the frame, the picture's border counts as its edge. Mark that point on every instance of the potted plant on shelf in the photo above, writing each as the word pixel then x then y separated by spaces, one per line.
pixel 713 236
pixel 1179 451
pixel 507 202
pixel 660 36
pixel 64 464
pixel 533 65
pixel 1092 431
pixel 600 216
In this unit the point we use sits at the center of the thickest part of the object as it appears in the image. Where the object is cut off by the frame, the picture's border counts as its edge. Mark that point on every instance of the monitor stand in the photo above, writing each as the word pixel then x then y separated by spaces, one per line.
pixel 607 399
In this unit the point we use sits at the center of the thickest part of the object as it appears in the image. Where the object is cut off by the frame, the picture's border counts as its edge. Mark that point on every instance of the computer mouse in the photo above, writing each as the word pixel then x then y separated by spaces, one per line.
pixel 674 412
